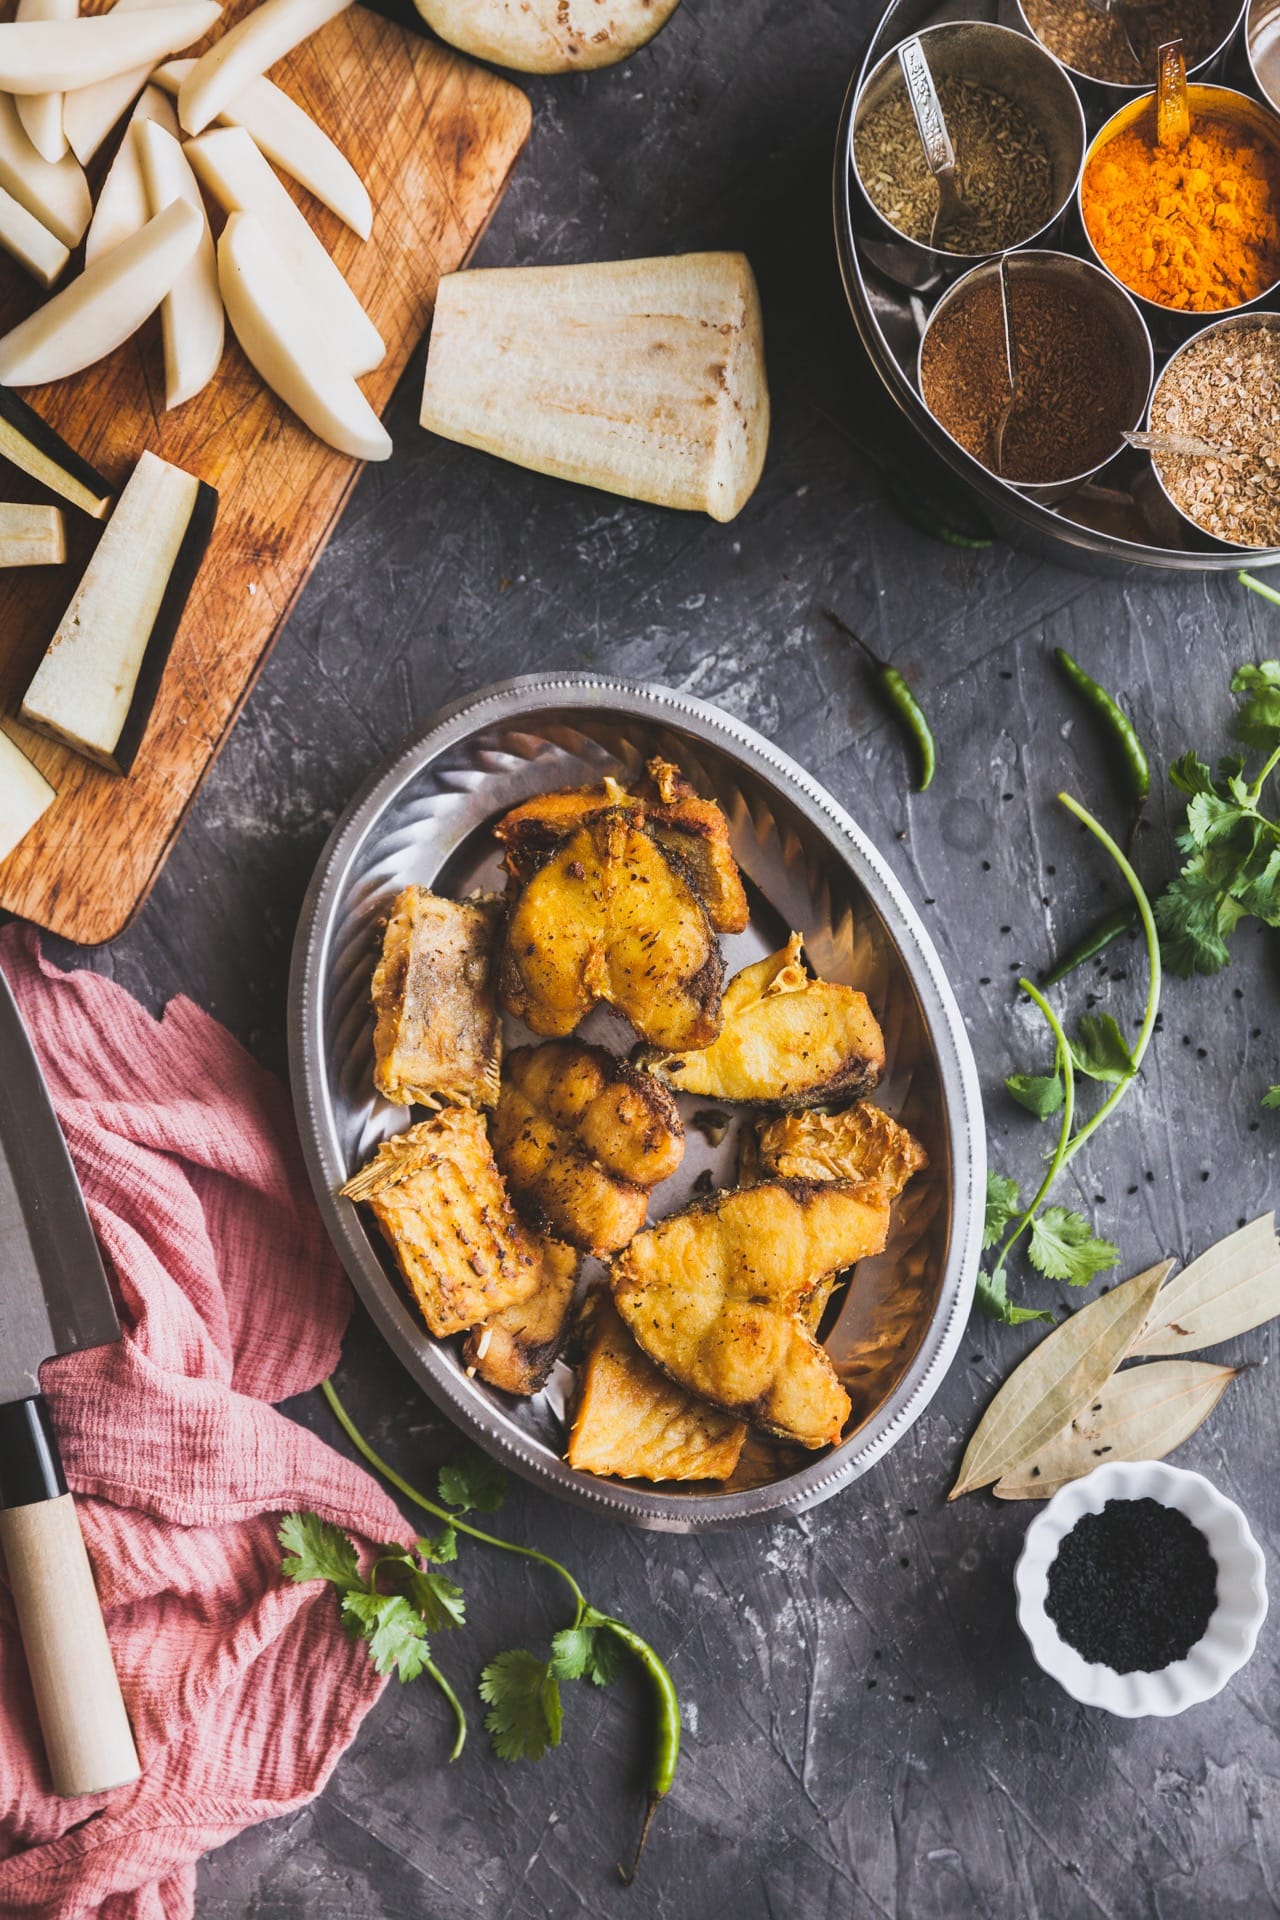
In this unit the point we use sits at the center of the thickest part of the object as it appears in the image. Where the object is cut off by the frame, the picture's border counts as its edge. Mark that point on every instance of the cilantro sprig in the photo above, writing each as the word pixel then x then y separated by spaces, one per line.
pixel 1231 865
pixel 404 1598
pixel 1060 1243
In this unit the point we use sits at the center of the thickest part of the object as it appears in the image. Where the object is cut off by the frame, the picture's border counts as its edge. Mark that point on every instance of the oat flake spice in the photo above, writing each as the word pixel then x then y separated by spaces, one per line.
pixel 1133 1587
pixel 1094 43
pixel 1002 167
pixel 1225 389
pixel 1195 227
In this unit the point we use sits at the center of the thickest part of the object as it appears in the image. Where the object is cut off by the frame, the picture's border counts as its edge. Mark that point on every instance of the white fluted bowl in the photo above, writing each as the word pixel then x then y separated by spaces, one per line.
pixel 1232 1632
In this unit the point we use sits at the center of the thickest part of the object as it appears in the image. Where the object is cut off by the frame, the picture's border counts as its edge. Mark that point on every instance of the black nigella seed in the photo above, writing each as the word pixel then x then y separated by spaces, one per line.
pixel 1133 1587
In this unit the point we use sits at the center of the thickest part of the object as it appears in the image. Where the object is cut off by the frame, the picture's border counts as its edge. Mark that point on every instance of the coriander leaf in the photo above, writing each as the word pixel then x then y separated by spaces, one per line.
pixel 525 1711
pixel 1187 914
pixel 1258 721
pixel 393 1632
pixel 588 1651
pixel 443 1547
pixel 441 1602
pixel 1209 821
pixel 1002 1207
pixel 472 1483
pixel 1256 889
pixel 1040 1093
pixel 993 1298
pixel 1063 1247
pixel 1101 1051
pixel 1191 775
pixel 1271 1099
pixel 317 1550
pixel 570 1652
pixel 606 1659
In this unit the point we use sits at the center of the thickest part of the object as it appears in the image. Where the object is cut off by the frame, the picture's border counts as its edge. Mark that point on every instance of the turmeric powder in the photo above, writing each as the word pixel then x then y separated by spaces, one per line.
pixel 1194 227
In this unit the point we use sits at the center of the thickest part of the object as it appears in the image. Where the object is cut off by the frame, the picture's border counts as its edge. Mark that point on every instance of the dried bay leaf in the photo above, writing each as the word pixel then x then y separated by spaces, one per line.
pixel 1142 1413
pixel 1233 1287
pixel 1056 1379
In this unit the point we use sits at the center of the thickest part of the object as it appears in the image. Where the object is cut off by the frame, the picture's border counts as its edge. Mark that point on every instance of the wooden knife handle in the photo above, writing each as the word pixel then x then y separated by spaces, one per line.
pixel 82 1713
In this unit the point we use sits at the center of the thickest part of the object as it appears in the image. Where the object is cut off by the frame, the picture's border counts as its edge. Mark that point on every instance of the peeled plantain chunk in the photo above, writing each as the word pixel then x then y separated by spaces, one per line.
pixel 715 1296
pixel 633 1422
pixel 786 1040
pixel 581 1138
pixel 516 1350
pixel 438 1197
pixel 609 917
pixel 438 1037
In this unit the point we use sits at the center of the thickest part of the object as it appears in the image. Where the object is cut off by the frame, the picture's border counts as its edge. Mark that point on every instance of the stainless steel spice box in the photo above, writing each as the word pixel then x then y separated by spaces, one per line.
pixel 891 298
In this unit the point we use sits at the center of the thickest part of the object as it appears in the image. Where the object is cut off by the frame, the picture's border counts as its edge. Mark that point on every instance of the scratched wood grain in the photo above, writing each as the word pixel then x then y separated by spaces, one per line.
pixel 434 138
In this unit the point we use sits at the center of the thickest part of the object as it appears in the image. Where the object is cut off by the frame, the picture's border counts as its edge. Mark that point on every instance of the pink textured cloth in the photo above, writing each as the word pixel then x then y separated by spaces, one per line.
pixel 243 1689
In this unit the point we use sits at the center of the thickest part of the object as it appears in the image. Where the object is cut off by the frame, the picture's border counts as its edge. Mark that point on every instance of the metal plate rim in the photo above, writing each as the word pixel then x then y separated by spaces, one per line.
pixel 446 729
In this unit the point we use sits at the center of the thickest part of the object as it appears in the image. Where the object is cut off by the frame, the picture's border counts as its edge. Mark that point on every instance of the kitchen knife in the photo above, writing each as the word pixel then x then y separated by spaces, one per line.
pixel 54 1298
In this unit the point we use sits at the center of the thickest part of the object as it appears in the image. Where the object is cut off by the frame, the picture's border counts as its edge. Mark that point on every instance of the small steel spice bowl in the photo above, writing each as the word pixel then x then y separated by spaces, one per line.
pixel 1232 322
pixel 1262 47
pixel 1228 1640
pixel 1121 89
pixel 1102 288
pixel 1010 63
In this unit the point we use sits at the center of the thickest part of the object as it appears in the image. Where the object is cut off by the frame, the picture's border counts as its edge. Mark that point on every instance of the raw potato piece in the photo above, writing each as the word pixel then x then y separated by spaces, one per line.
pixel 861 1143
pixel 41 113
pixel 109 301
pixel 714 1295
pixel 237 176
pixel 191 313
pixel 547 36
pixel 609 918
pixel 581 1138
pixel 31 445
pixel 516 1350
pixel 25 794
pixel 263 36
pixel 58 195
pixel 31 536
pixel 440 1202
pixel 29 243
pixel 95 687
pixel 291 140
pixel 438 1036
pixel 276 327
pixel 786 1040
pixel 634 1423
pixel 90 113
pixel 122 207
pixel 644 377
pixel 57 56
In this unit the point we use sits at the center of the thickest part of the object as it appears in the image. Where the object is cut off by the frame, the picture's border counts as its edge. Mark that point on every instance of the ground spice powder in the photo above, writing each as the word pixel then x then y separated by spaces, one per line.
pixel 1225 388
pixel 1133 1587
pixel 1094 42
pixel 1194 227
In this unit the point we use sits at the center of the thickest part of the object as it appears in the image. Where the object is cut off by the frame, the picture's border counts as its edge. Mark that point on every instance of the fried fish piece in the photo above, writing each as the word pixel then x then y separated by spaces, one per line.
pixel 438 1037
pixel 715 1294
pixel 786 1040
pixel 610 917
pixel 860 1143
pixel 581 1137
pixel 685 825
pixel 438 1197
pixel 516 1349
pixel 632 1421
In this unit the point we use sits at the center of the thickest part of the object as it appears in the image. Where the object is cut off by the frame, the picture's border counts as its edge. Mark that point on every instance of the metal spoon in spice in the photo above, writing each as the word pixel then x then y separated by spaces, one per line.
pixel 1173 113
pixel 1193 446
pixel 931 125
pixel 1010 362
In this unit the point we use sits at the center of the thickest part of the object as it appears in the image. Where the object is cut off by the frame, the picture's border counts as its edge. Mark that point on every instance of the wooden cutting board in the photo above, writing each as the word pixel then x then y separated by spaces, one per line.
pixel 434 138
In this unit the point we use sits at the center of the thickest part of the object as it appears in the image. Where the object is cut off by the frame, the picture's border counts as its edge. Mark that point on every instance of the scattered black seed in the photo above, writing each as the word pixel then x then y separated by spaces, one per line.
pixel 1131 1191
pixel 910 1512
pixel 1204 1173
pixel 877 1655
pixel 1006 796
pixel 1241 1221
pixel 904 1560
pixel 1254 1125
pixel 930 901
pixel 1202 1053
pixel 985 980
pixel 1006 929
pixel 986 866
pixel 1046 900
pixel 1133 1587
pixel 1186 1039
pixel 909 1699
pixel 1092 999
pixel 1150 1179
pixel 1255 1033
pixel 1005 674
pixel 1099 1199
pixel 1237 993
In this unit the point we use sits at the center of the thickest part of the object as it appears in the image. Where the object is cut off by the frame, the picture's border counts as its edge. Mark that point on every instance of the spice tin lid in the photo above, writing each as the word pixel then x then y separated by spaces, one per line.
pixel 1232 1633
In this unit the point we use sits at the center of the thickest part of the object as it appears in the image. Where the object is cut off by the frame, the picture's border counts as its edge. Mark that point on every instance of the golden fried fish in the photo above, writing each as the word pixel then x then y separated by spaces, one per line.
pixel 786 1040
pixel 438 1037
pixel 516 1349
pixel 860 1143
pixel 581 1137
pixel 715 1294
pixel 632 1421
pixel 438 1197
pixel 609 917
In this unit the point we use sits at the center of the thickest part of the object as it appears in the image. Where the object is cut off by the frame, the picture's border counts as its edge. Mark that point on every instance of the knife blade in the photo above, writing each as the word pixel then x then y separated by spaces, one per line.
pixel 54 1298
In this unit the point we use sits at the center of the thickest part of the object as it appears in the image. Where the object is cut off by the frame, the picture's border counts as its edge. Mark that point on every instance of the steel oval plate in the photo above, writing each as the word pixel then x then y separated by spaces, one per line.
pixel 426 817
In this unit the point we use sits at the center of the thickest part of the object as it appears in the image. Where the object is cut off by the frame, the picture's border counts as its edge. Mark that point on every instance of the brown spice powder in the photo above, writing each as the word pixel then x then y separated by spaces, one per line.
pixel 1094 42
pixel 1225 388
pixel 1076 387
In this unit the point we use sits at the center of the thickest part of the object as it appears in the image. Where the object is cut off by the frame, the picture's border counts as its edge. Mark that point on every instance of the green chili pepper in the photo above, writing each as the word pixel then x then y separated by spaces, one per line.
pixel 924 521
pixel 1258 586
pixel 902 700
pixel 1098 938
pixel 666 1742
pixel 1136 767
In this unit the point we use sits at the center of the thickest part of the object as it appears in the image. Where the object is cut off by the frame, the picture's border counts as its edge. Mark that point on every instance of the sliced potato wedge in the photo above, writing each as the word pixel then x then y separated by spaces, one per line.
pixel 264 35
pixel 25 794
pixel 31 536
pixel 291 140
pixel 122 204
pixel 55 56
pixel 277 329
pixel 241 180
pixel 644 377
pixel 101 308
pixel 547 36
pixel 191 312
pixel 31 244
pixel 58 195
pixel 41 113
pixel 90 113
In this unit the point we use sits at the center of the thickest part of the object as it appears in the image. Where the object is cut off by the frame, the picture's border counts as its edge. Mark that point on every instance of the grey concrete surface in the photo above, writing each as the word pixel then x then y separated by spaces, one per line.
pixel 865 1731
